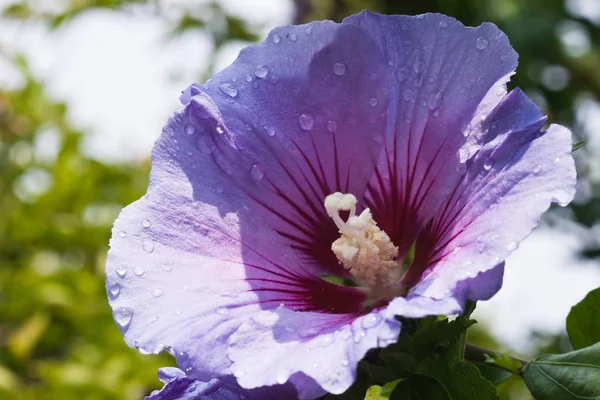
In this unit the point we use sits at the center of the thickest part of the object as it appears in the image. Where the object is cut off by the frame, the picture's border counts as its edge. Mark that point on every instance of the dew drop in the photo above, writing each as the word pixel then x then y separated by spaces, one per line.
pixel 402 73
pixel 359 336
pixel 261 71
pixel 222 311
pixel 248 78
pixel 371 321
pixel 269 131
pixel 148 245
pixel 436 113
pixel 293 37
pixel 146 223
pixel 274 80
pixel 123 317
pixel 189 129
pixel 326 340
pixel 339 68
pixel 332 126
pixel 256 173
pixel 409 95
pixel 121 271
pixel 166 268
pixel 276 38
pixel 122 234
pixel 537 169
pixel 418 80
pixel 228 89
pixel 557 159
pixel 487 164
pixel 114 290
pixel 240 373
pixel 457 250
pixel 306 122
pixel 419 66
pixel 345 362
pixel 481 43
pixel 372 101
pixel 282 377
pixel 139 271
pixel 434 100
pixel 219 129
pixel 309 30
pixel 443 24
pixel 229 294
pixel 157 292
pixel 315 365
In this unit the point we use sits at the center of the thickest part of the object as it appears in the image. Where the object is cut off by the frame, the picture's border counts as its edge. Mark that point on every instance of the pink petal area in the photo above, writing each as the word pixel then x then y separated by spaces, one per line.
pixel 443 73
pixel 326 348
pixel 508 184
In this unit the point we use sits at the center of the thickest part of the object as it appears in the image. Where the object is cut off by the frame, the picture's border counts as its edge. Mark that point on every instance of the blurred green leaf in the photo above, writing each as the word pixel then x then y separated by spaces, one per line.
pixel 574 375
pixel 420 387
pixel 583 322
pixel 578 145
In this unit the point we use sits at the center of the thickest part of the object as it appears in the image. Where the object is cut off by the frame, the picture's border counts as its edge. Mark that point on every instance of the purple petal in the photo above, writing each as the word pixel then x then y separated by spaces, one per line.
pixel 508 184
pixel 178 386
pixel 302 119
pixel 326 348
pixel 444 72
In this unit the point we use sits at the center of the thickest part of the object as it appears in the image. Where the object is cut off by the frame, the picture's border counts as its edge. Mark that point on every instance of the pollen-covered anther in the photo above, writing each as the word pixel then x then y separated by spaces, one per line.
pixel 363 249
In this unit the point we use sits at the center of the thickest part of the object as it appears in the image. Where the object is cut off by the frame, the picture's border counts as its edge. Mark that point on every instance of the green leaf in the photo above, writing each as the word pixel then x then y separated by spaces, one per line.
pixel 462 380
pixel 574 375
pixel 432 331
pixel 578 145
pixel 505 362
pixel 583 322
pixel 492 374
pixel 384 392
pixel 420 387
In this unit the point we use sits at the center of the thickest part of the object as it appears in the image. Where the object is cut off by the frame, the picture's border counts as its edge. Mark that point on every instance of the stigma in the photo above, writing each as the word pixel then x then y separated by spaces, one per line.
pixel 363 248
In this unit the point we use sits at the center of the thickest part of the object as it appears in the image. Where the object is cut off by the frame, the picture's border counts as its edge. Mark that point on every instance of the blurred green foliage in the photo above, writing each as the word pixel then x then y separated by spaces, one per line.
pixel 57 337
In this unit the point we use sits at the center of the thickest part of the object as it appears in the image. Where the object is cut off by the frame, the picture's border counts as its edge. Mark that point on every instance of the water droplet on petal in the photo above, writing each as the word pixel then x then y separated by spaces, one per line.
pixel 148 245
pixel 248 78
pixel 409 95
pixel 315 365
pixel 282 377
pixel 189 129
pixel 434 100
pixel 339 68
pixel 487 164
pixel 372 101
pixel 537 169
pixel 121 271
pixel 240 373
pixel 146 223
pixel 139 271
pixel 481 43
pixel 359 336
pixel 332 126
pixel 557 159
pixel 228 89
pixel 309 30
pixel 276 38
pixel 419 66
pixel 443 24
pixel 219 129
pixel 418 80
pixel 326 340
pixel 457 250
pixel 166 268
pixel 261 71
pixel 269 131
pixel 402 73
pixel 345 362
pixel 114 290
pixel 256 172
pixel 122 234
pixel 222 311
pixel 293 37
pixel 123 317
pixel 371 321
pixel 274 79
pixel 511 246
pixel 157 292
pixel 436 113
pixel 306 122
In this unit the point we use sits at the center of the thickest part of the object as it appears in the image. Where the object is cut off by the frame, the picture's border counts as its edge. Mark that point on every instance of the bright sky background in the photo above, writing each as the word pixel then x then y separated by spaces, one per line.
pixel 121 78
